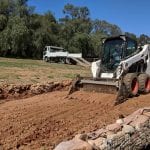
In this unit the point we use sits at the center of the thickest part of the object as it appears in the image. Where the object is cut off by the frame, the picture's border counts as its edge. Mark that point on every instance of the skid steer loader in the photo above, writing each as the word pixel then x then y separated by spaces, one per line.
pixel 123 69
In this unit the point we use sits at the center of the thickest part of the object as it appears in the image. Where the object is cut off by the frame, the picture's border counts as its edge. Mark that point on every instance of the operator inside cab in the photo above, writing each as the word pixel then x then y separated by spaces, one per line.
pixel 116 56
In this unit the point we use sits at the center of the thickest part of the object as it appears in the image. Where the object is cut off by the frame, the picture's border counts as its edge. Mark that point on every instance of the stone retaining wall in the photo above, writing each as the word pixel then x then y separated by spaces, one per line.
pixel 129 133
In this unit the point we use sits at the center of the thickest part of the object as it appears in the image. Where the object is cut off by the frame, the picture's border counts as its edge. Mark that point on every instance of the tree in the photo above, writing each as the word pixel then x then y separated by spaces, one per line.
pixel 96 40
pixel 5 42
pixel 3 22
pixel 74 12
pixel 76 23
pixel 47 31
pixel 106 28
pixel 131 35
pixel 143 39
pixel 24 33
pixel 6 7
pixel 20 36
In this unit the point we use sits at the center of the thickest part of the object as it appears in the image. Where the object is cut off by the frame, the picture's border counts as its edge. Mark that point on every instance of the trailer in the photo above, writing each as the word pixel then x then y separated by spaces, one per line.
pixel 59 55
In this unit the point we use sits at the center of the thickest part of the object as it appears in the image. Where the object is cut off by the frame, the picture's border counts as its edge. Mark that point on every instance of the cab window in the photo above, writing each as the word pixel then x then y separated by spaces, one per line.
pixel 131 48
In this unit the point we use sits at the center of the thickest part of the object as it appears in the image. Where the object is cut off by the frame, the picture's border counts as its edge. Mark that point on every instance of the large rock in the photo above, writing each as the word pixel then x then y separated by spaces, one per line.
pixel 97 142
pixel 128 129
pixel 139 121
pixel 114 127
pixel 100 132
pixel 75 144
pixel 131 117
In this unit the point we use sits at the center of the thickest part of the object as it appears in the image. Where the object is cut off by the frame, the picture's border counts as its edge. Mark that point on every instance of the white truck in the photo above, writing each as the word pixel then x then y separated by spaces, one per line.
pixel 58 54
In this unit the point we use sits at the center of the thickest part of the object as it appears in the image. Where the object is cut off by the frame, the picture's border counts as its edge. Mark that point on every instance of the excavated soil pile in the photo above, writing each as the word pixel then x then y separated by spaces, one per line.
pixel 22 91
pixel 43 121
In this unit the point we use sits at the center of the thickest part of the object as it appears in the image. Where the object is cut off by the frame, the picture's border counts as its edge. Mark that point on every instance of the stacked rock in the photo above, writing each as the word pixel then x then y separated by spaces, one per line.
pixel 132 132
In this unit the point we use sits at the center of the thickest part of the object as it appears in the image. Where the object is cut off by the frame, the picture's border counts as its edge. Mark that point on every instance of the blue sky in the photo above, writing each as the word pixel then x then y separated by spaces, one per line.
pixel 130 15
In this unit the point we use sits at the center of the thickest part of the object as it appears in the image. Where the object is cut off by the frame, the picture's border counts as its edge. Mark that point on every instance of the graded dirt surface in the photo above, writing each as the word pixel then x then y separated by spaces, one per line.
pixel 42 121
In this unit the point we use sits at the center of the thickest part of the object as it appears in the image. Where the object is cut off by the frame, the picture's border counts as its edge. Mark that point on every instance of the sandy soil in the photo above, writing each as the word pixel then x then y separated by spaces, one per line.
pixel 44 120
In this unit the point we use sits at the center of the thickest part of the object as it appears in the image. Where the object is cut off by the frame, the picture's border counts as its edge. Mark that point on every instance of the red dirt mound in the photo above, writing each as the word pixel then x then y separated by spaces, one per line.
pixel 24 91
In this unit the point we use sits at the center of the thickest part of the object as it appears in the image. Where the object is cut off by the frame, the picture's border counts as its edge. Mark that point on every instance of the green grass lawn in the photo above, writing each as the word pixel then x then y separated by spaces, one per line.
pixel 24 71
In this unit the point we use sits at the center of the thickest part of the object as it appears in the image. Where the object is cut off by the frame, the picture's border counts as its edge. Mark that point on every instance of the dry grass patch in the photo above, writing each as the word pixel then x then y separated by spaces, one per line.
pixel 24 71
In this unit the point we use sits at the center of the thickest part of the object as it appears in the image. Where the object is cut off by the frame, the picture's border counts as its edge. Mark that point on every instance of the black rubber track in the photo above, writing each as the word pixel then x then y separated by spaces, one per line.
pixel 142 81
pixel 128 78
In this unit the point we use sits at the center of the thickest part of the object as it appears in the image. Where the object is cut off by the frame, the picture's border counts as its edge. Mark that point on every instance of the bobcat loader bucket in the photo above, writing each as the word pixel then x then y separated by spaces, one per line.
pixel 100 86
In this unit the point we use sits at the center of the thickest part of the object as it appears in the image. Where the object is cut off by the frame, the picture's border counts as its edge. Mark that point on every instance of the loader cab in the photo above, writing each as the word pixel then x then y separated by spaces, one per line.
pixel 116 49
pixel 130 48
